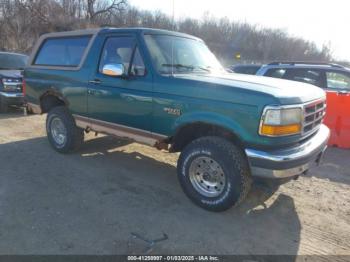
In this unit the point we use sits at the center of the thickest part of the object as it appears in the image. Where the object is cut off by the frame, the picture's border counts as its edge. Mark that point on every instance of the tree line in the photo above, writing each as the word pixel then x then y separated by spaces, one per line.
pixel 23 21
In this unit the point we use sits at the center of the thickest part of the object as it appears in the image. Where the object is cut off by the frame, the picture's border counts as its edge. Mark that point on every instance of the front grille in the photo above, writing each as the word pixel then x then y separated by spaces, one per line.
pixel 313 116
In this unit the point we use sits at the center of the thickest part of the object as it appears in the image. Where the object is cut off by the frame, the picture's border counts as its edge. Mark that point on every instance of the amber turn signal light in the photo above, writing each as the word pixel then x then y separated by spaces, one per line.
pixel 269 130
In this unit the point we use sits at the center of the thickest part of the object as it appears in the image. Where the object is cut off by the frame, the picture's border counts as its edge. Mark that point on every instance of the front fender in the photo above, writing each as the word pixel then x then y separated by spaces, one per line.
pixel 212 119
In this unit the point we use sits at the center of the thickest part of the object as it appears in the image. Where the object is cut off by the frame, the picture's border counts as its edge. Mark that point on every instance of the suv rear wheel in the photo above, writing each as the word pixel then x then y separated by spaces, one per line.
pixel 62 132
pixel 214 173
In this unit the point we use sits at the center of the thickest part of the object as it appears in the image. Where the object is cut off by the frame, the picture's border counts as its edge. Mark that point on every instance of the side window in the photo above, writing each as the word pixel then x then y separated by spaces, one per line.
pixel 309 76
pixel 138 67
pixel 276 72
pixel 65 51
pixel 117 50
pixel 337 80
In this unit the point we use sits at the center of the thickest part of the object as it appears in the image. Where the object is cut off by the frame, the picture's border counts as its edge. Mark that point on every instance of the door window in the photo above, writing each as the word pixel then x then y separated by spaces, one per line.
pixel 138 66
pixel 337 80
pixel 117 50
pixel 309 76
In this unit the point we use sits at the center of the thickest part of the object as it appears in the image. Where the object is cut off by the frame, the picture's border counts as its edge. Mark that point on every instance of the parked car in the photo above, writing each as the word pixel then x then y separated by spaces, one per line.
pixel 11 67
pixel 325 75
pixel 167 90
pixel 334 79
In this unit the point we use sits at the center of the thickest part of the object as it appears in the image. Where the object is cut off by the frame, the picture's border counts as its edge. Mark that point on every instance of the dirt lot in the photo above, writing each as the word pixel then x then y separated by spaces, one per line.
pixel 93 201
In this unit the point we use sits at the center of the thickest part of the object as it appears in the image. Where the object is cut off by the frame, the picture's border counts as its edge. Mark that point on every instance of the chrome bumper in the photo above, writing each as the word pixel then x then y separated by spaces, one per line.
pixel 12 95
pixel 289 162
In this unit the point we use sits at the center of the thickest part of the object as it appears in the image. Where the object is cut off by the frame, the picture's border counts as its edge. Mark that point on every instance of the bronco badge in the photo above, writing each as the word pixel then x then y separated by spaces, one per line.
pixel 172 111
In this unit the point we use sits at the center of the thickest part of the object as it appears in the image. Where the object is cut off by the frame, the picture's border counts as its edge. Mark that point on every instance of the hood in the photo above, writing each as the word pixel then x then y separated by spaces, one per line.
pixel 11 73
pixel 286 91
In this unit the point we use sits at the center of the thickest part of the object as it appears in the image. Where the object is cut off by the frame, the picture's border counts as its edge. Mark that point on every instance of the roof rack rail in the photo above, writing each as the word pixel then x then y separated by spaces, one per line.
pixel 305 63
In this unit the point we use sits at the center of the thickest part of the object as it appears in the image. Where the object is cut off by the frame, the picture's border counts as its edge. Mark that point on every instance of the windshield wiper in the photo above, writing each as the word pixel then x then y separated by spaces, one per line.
pixel 204 68
pixel 179 66
pixel 190 67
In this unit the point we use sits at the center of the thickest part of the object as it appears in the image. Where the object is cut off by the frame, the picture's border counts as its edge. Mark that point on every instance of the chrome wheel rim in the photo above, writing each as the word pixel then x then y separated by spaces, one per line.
pixel 58 131
pixel 207 176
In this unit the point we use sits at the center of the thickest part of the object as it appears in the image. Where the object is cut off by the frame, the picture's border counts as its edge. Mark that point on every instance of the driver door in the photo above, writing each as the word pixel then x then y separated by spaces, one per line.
pixel 125 101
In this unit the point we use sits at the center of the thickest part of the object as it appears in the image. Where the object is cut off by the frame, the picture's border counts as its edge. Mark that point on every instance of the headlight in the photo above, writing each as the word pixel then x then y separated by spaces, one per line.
pixel 281 121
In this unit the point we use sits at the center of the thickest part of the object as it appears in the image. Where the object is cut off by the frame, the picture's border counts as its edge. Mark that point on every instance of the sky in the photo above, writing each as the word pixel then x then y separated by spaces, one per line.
pixel 321 21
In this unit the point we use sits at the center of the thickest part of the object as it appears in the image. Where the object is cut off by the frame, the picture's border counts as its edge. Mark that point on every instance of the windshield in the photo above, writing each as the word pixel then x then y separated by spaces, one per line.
pixel 172 54
pixel 12 61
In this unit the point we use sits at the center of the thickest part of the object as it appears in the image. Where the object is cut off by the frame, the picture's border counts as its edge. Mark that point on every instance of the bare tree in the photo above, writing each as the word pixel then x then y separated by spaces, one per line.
pixel 94 8
pixel 23 21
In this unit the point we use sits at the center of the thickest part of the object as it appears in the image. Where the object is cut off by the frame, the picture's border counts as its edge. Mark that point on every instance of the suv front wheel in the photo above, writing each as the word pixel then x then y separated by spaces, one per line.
pixel 62 132
pixel 214 173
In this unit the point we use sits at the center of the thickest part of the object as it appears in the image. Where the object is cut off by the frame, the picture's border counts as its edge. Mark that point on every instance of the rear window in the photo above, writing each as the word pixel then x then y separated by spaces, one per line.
pixel 12 61
pixel 67 52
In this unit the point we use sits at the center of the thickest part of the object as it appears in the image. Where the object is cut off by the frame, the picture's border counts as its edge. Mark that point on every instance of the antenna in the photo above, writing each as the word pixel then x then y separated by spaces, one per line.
pixel 172 42
pixel 173 14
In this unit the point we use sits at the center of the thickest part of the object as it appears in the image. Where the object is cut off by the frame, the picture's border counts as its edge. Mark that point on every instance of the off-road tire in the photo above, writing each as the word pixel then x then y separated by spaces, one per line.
pixel 75 135
pixel 3 106
pixel 232 161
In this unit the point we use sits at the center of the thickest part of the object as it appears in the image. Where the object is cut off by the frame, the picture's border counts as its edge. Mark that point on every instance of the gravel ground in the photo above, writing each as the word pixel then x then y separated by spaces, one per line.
pixel 93 201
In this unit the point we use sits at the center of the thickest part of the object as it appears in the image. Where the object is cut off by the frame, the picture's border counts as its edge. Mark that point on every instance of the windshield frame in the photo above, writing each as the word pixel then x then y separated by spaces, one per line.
pixel 194 69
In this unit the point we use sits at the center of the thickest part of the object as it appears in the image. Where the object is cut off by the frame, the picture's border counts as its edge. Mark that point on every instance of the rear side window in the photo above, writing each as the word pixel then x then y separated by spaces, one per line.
pixel 66 52
pixel 338 81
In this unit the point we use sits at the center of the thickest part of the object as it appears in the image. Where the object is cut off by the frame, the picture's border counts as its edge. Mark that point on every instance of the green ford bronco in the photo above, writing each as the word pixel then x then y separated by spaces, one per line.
pixel 167 90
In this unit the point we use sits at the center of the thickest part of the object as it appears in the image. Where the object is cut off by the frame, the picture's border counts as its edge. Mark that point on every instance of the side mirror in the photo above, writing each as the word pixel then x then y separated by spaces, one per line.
pixel 113 70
